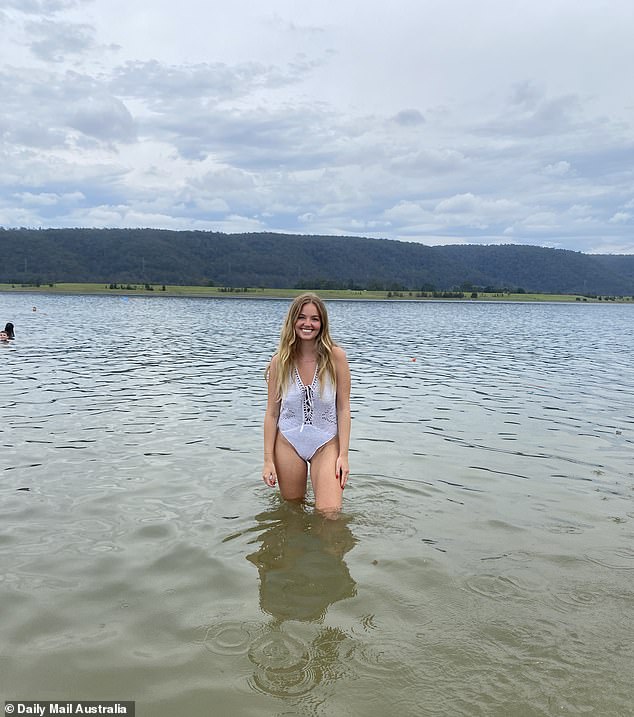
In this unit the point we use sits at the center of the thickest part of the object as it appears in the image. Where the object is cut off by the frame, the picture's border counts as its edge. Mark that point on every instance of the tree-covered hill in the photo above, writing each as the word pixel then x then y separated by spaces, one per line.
pixel 282 260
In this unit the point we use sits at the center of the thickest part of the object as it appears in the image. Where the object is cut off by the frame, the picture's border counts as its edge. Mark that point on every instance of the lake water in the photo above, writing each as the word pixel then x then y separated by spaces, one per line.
pixel 484 563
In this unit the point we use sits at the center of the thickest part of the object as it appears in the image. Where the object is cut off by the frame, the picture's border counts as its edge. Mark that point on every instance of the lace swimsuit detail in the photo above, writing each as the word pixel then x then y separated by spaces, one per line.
pixel 308 415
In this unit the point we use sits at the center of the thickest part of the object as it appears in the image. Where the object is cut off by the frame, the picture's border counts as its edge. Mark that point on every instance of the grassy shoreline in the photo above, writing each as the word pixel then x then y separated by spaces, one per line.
pixel 256 293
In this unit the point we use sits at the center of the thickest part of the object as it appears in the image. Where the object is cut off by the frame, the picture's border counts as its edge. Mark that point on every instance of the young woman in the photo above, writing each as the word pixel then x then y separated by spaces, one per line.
pixel 307 417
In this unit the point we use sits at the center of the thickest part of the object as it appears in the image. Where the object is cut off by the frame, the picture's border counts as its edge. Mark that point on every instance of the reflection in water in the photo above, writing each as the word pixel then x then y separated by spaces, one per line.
pixel 301 565
pixel 302 572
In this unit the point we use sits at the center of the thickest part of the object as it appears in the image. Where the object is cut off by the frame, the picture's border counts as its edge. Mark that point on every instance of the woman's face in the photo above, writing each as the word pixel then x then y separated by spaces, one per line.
pixel 308 324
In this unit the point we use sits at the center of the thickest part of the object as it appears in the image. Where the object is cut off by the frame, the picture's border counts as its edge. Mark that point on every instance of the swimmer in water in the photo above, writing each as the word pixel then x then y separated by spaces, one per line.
pixel 307 420
pixel 8 329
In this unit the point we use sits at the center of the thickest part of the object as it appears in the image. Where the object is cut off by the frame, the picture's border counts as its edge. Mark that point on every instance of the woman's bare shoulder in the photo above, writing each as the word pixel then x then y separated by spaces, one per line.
pixel 339 355
pixel 338 352
pixel 271 369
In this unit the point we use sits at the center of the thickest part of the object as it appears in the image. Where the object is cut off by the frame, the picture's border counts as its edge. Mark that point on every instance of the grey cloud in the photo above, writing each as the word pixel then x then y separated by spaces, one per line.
pixel 599 162
pixel 24 118
pixel 40 7
pixel 164 86
pixel 37 135
pixel 428 160
pixel 525 94
pixel 34 172
pixel 106 118
pixel 553 116
pixel 253 139
pixel 408 118
pixel 223 180
pixel 41 109
pixel 298 69
pixel 55 40
pixel 56 90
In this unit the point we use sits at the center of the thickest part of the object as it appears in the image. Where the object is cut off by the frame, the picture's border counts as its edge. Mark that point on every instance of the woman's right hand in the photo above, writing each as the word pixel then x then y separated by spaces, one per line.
pixel 269 474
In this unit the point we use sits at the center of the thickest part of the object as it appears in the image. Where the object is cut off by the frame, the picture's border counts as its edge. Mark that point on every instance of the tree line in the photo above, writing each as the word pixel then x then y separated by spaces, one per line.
pixel 269 260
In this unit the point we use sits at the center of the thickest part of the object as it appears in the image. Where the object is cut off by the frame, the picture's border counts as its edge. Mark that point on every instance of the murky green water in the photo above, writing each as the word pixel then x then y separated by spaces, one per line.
pixel 484 564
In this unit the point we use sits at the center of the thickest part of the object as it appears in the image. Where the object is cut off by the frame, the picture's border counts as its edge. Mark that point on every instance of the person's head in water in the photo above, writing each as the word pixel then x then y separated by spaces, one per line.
pixel 8 330
pixel 4 337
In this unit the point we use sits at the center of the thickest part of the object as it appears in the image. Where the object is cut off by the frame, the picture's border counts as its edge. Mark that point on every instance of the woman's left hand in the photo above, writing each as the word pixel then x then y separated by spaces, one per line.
pixel 342 471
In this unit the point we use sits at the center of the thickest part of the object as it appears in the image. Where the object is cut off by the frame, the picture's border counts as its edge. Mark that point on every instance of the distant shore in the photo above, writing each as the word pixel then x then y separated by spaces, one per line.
pixel 156 290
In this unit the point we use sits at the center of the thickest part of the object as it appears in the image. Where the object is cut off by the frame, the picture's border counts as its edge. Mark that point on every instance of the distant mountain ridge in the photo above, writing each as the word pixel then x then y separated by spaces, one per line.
pixel 286 260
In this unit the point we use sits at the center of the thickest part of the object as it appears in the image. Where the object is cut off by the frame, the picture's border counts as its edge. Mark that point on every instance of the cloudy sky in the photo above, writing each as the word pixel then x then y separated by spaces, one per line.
pixel 436 121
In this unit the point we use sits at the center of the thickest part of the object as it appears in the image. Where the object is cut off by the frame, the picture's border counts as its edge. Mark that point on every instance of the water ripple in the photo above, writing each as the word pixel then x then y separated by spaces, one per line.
pixel 499 587
pixel 230 638
pixel 621 558
pixel 573 596
pixel 285 665
pixel 382 659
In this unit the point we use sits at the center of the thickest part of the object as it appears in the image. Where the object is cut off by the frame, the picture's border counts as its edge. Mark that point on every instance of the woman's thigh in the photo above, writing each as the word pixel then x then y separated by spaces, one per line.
pixel 291 470
pixel 326 486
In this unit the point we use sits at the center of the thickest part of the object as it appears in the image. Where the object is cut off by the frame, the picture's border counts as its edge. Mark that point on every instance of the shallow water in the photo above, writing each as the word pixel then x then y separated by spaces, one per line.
pixel 484 563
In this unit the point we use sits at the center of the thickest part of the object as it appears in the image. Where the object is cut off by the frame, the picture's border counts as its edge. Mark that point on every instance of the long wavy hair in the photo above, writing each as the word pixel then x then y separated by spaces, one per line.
pixel 287 350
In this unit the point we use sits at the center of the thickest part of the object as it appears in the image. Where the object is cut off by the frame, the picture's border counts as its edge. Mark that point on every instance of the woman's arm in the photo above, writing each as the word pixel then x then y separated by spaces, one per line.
pixel 269 474
pixel 342 468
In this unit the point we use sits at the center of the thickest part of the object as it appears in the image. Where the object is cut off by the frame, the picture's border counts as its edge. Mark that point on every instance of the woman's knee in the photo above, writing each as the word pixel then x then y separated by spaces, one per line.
pixel 328 502
pixel 326 487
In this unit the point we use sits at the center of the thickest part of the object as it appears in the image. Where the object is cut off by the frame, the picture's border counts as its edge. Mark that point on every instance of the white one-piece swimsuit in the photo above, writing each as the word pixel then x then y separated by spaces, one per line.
pixel 308 414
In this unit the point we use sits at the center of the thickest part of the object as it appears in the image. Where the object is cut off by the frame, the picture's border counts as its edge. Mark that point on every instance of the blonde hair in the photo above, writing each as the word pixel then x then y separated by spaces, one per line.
pixel 288 347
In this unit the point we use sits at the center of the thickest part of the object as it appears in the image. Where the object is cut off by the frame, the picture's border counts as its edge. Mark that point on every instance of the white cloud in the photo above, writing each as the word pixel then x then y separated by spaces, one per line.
pixel 47 199
pixel 470 204
pixel 558 169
